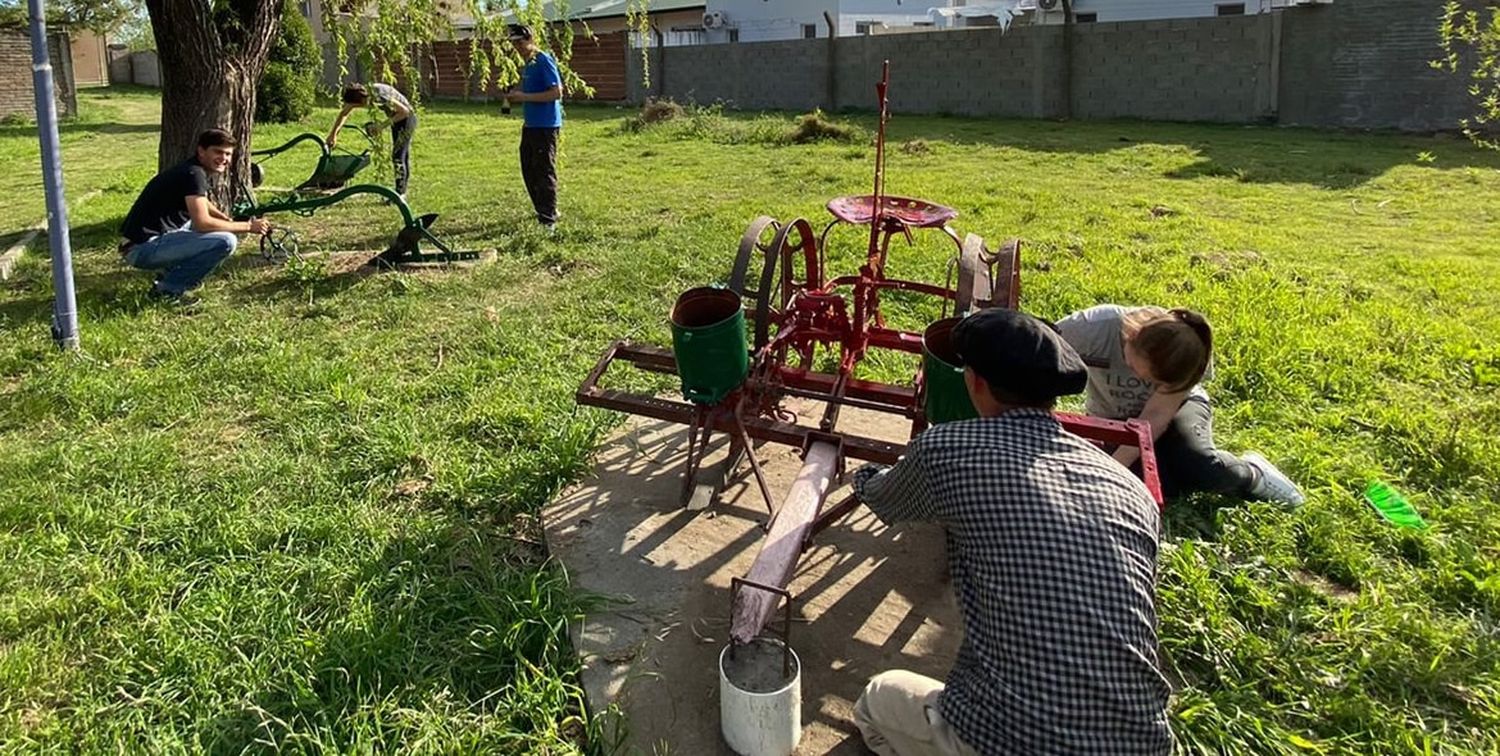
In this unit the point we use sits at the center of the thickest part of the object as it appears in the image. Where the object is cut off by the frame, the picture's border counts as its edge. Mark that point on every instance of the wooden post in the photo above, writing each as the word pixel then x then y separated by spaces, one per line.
pixel 778 555
pixel 832 86
pixel 1067 82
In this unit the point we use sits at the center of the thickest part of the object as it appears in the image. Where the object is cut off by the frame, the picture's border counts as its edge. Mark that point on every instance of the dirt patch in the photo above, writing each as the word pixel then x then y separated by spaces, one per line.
pixel 916 147
pixel 1324 586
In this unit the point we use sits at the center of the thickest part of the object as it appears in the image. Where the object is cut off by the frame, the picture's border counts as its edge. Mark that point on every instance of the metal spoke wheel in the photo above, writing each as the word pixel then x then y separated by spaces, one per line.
pixel 280 244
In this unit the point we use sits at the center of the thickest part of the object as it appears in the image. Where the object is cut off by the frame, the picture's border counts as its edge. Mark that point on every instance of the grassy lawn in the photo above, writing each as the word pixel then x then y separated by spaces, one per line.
pixel 303 515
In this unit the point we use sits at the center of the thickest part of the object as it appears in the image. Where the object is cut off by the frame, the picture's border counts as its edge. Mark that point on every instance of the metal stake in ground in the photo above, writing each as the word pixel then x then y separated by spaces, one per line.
pixel 65 305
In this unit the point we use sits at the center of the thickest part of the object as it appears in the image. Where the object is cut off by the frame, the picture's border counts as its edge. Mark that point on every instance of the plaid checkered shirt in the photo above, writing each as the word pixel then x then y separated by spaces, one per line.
pixel 1052 547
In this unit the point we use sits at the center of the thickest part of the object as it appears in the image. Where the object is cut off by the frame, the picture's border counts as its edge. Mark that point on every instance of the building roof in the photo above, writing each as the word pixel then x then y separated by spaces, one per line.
pixel 586 10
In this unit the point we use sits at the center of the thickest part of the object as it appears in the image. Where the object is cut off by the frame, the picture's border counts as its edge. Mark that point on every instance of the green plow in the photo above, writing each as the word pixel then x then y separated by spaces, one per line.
pixel 331 173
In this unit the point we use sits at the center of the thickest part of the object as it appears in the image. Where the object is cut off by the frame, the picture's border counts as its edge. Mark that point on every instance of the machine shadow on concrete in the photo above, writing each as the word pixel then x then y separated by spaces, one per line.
pixel 868 598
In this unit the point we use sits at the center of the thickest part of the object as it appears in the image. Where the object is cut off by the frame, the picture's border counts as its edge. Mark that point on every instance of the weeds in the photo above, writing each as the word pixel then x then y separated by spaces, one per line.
pixel 710 123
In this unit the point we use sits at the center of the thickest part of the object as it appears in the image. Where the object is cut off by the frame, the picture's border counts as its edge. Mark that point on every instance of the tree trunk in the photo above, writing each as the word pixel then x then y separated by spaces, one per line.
pixel 210 64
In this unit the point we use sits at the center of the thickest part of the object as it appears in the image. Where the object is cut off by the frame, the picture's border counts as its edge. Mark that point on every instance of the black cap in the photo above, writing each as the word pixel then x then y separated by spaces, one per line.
pixel 1019 354
pixel 517 31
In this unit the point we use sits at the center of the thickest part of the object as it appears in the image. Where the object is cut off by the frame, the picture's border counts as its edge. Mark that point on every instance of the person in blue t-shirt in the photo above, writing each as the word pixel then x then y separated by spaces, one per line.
pixel 540 94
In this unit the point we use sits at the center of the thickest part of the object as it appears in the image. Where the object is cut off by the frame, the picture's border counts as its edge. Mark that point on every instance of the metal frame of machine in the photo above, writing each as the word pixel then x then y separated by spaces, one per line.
pixel 793 309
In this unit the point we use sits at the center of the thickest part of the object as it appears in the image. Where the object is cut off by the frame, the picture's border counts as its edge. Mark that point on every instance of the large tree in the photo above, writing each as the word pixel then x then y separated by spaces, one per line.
pixel 212 53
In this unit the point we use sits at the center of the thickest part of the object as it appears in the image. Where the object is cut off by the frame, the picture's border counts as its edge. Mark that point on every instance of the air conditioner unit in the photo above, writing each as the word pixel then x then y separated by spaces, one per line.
pixel 1046 5
pixel 715 20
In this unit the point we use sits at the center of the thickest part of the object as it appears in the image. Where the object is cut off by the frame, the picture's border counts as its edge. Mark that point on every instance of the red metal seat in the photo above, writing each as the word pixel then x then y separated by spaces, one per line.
pixel 914 213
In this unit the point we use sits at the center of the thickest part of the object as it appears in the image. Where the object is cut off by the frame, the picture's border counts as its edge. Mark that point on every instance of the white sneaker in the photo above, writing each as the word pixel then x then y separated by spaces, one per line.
pixel 1272 484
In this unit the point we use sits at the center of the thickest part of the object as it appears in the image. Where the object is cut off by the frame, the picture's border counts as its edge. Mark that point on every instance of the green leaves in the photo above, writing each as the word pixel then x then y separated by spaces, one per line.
pixel 1471 47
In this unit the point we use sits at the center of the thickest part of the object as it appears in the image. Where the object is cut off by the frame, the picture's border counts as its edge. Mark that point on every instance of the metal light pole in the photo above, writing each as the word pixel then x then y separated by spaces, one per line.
pixel 65 306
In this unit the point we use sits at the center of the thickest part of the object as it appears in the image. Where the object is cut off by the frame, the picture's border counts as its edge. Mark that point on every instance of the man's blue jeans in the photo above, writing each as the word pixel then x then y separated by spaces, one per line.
pixel 184 257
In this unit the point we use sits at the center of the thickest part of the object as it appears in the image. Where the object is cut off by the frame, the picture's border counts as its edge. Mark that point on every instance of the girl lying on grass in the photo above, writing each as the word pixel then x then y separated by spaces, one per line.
pixel 1147 363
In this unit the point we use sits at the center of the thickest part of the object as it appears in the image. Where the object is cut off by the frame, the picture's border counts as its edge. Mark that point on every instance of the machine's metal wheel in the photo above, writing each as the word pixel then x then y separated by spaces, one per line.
pixel 773 244
pixel 988 278
pixel 280 244
pixel 760 245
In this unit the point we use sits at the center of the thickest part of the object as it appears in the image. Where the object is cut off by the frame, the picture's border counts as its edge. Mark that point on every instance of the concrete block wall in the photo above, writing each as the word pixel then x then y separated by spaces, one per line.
pixel 787 75
pixel 1365 65
pixel 145 69
pixel 1352 64
pixel 1202 69
pixel 16 98
pixel 119 65
pixel 977 72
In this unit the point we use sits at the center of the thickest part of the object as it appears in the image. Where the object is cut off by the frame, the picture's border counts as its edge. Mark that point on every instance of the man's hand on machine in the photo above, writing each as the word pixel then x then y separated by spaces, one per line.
pixel 260 226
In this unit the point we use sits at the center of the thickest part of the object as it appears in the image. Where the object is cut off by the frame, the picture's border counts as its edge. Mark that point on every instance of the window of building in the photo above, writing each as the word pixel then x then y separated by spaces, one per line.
pixel 1230 9
pixel 734 35
pixel 809 31
pixel 1087 18
pixel 686 35
pixel 863 27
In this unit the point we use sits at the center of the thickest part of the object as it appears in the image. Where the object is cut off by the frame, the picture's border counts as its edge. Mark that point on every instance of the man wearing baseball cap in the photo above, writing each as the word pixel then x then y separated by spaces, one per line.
pixel 1052 546
pixel 540 95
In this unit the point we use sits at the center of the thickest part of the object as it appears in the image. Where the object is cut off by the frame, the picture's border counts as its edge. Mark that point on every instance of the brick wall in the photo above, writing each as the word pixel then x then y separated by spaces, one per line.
pixel 16 96
pixel 601 63
pixel 1355 63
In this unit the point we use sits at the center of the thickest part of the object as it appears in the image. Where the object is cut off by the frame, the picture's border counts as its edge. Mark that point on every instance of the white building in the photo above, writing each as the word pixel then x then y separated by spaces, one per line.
pixel 758 20
pixel 761 20
pixel 1105 11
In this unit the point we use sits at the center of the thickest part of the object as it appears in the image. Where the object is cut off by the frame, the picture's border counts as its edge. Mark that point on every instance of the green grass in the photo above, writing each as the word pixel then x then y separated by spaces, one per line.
pixel 303 516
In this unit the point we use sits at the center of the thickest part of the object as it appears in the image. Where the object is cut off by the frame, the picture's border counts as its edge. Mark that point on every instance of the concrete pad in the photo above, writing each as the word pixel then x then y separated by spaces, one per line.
pixel 868 598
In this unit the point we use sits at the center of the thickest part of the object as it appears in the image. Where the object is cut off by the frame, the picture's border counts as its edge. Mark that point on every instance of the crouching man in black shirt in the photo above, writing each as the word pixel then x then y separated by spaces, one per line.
pixel 174 228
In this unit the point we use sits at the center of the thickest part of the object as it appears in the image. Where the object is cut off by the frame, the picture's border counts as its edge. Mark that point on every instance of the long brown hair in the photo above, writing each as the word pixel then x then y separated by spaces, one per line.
pixel 1177 344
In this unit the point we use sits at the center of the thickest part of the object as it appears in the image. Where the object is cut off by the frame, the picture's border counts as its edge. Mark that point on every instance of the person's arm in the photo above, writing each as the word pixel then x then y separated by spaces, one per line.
pixel 548 95
pixel 547 76
pixel 401 114
pixel 900 493
pixel 338 123
pixel 1158 413
pixel 206 218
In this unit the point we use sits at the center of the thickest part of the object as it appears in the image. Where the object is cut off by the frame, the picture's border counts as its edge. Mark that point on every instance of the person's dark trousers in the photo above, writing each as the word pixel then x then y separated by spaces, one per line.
pixel 401 135
pixel 539 170
pixel 1188 460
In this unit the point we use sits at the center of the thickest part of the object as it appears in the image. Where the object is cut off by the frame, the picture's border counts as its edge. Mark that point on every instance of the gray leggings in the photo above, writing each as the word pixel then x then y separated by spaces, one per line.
pixel 1189 461
pixel 401 134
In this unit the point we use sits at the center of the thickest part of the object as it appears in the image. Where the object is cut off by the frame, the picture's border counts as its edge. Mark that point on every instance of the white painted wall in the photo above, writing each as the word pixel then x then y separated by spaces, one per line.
pixel 889 12
pixel 761 20
pixel 1146 10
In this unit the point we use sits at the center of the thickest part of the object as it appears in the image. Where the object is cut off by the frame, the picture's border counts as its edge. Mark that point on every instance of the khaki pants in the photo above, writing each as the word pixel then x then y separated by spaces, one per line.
pixel 898 716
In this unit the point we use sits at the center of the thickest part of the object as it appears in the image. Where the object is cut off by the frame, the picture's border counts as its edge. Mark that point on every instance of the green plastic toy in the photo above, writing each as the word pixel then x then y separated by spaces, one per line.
pixel 1393 506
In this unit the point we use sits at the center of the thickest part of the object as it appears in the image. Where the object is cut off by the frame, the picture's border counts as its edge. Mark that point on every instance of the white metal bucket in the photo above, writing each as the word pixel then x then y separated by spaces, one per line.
pixel 761 724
